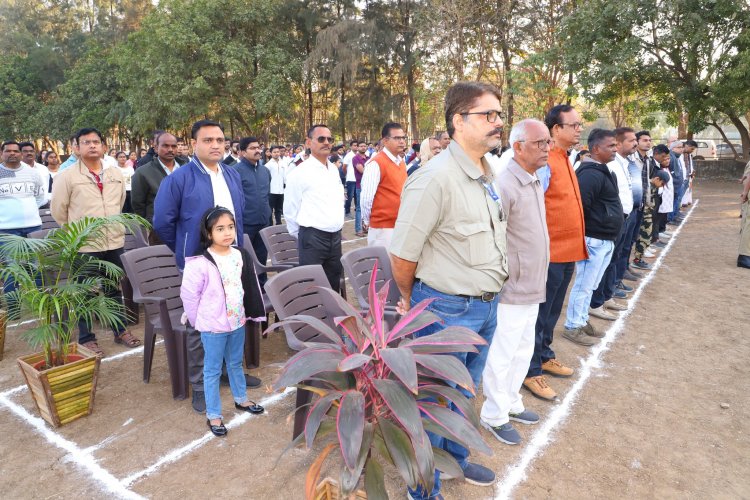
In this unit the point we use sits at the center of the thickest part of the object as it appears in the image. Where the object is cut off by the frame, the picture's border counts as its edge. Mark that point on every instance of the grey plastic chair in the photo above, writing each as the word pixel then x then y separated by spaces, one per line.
pixel 156 284
pixel 48 222
pixel 282 246
pixel 358 265
pixel 134 238
pixel 292 292
pixel 253 331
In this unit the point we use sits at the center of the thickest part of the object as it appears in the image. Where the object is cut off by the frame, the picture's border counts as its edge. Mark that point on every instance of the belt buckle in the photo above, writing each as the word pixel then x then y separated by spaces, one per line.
pixel 488 296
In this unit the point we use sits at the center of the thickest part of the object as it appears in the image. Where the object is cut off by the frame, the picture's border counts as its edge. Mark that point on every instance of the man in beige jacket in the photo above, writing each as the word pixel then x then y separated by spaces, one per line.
pixel 87 189
pixel 512 345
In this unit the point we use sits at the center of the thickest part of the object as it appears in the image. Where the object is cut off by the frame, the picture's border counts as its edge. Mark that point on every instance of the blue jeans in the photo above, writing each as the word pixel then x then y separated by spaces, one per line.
pixel 606 287
pixel 559 275
pixel 351 188
pixel 219 347
pixel 10 285
pixel 358 210
pixel 630 230
pixel 476 315
pixel 589 273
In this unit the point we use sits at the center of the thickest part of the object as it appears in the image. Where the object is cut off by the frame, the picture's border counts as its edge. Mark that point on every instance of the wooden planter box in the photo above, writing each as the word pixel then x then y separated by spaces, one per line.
pixel 63 393
pixel 328 489
pixel 3 326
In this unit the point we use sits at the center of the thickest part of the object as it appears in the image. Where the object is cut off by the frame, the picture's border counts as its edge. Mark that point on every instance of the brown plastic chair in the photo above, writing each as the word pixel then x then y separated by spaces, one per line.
pixel 358 266
pixel 253 330
pixel 133 239
pixel 39 234
pixel 156 284
pixel 48 222
pixel 291 292
pixel 282 246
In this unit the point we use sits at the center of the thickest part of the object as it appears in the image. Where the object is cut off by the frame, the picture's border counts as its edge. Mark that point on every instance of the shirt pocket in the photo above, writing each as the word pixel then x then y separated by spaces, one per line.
pixel 478 240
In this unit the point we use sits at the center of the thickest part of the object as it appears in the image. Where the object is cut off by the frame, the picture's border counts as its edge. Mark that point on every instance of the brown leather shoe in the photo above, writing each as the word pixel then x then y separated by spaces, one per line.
pixel 92 345
pixel 127 339
pixel 539 388
pixel 554 367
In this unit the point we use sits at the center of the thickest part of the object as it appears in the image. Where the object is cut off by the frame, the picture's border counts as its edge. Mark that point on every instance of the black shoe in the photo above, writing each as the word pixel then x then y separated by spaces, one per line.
pixel 217 430
pixel 743 261
pixel 253 408
pixel 199 401
pixel 250 381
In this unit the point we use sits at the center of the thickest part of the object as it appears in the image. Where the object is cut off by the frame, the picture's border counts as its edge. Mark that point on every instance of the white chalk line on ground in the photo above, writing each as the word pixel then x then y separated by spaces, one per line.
pixel 75 453
pixel 542 437
pixel 180 452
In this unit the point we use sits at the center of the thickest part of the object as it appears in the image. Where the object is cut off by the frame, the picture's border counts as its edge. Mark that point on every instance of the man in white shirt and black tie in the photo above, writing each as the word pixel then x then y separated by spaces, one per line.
pixel 312 206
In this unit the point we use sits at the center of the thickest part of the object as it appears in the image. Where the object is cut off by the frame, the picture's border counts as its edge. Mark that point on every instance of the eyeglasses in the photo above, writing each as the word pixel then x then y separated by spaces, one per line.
pixel 542 144
pixel 323 139
pixel 491 115
pixel 92 142
pixel 398 137
pixel 574 126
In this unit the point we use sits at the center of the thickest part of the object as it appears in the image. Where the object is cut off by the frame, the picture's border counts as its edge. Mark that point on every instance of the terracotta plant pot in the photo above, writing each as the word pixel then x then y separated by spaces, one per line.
pixel 328 489
pixel 3 325
pixel 62 393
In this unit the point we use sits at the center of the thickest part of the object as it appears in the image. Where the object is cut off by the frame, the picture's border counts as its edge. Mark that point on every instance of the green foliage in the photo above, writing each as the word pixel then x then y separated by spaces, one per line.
pixel 58 286
pixel 381 391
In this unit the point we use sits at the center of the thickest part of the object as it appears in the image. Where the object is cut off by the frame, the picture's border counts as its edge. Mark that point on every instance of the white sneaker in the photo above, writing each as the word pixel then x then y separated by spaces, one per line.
pixel 614 305
pixel 648 254
pixel 666 236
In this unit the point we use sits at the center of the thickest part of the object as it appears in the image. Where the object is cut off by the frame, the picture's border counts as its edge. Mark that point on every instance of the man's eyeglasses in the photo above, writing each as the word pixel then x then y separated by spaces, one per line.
pixel 574 126
pixel 323 139
pixel 491 115
pixel 398 137
pixel 93 142
pixel 543 144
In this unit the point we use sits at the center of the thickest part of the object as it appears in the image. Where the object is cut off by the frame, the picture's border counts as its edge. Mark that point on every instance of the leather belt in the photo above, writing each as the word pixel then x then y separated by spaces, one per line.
pixel 485 297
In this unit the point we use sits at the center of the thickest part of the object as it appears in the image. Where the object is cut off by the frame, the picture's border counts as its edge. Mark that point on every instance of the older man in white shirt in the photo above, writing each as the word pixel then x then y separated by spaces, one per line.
pixel 312 206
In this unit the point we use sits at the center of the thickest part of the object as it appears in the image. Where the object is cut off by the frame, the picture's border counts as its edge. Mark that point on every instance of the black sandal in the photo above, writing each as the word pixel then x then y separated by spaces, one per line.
pixel 217 430
pixel 253 408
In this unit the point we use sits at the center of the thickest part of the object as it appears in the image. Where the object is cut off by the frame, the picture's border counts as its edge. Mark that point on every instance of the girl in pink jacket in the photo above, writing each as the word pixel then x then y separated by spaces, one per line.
pixel 220 292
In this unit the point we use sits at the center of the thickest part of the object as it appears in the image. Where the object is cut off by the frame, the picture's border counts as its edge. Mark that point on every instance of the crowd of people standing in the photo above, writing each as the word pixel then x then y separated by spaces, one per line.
pixel 495 239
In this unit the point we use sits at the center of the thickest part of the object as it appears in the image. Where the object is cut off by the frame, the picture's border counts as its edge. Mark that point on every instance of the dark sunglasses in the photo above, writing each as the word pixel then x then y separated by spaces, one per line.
pixel 323 139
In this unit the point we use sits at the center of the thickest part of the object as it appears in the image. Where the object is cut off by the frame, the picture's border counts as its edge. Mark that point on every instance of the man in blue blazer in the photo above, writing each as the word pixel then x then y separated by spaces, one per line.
pixel 183 197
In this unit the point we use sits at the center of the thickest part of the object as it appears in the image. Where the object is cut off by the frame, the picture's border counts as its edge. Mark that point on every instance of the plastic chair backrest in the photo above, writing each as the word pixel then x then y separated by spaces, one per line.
pixel 282 246
pixel 292 292
pixel 358 266
pixel 48 222
pixel 153 272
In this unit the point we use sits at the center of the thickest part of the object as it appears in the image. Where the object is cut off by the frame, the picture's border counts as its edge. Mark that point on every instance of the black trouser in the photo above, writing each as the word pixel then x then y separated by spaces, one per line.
pixel 253 232
pixel 127 208
pixel 277 208
pixel 324 248
pixel 84 329
pixel 558 279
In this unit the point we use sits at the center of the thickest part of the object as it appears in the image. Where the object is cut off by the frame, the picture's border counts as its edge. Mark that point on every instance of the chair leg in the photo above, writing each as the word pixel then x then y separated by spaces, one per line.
pixel 149 340
pixel 131 308
pixel 300 414
pixel 342 287
pixel 252 344
pixel 176 361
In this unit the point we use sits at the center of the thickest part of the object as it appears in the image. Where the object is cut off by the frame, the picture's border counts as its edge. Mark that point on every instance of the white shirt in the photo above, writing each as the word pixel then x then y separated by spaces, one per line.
pixel 278 176
pixel 348 157
pixel 499 163
pixel 619 166
pixel 108 162
pixel 222 196
pixel 314 197
pixel 127 174
pixel 667 195
pixel 370 182
pixel 166 169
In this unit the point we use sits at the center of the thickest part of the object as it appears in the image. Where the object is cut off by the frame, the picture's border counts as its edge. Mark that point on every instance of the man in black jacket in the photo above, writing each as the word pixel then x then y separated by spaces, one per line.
pixel 256 186
pixel 603 218
pixel 147 179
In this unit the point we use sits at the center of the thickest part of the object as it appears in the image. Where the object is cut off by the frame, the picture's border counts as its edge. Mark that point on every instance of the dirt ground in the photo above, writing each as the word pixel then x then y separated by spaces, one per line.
pixel 664 415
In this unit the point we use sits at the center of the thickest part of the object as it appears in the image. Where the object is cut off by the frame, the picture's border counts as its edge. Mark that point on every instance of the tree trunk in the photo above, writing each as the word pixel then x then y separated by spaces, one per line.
pixel 342 109
pixel 413 126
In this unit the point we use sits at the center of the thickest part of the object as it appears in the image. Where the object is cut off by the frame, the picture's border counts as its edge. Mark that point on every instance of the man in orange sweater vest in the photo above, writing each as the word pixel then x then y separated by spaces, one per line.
pixel 382 182
pixel 566 244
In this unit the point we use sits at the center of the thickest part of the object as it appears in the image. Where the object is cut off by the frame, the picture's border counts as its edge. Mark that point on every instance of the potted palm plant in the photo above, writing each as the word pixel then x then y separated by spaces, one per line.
pixel 3 326
pixel 57 286
pixel 379 391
